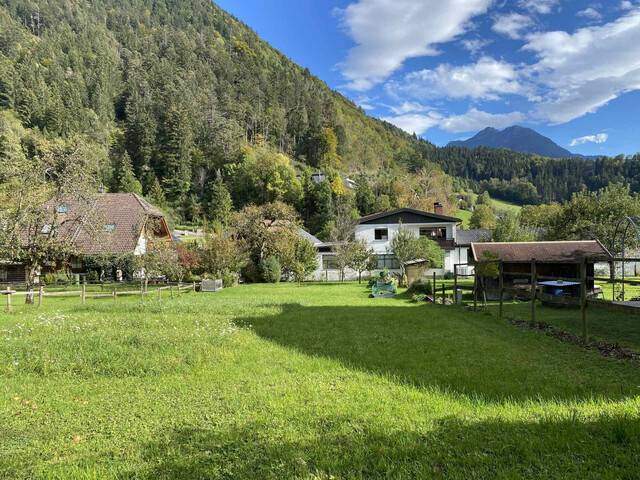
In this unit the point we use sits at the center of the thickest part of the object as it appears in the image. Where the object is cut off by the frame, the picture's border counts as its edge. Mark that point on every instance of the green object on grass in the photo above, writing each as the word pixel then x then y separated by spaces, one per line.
pixel 384 290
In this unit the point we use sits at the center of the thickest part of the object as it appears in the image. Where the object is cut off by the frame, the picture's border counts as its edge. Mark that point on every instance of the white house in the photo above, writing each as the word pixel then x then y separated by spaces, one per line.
pixel 378 230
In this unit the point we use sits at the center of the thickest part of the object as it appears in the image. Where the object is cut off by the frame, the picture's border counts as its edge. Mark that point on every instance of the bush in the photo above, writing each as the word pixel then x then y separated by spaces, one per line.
pixel 229 278
pixel 92 276
pixel 418 297
pixel 270 270
pixel 449 276
pixel 374 279
pixel 250 273
pixel 421 287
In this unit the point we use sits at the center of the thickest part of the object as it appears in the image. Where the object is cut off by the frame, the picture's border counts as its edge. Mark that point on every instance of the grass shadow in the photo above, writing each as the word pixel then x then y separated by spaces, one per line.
pixel 448 348
pixel 339 447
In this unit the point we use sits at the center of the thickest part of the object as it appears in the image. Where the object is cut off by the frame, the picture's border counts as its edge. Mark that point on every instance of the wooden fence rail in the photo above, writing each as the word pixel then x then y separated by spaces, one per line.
pixel 82 293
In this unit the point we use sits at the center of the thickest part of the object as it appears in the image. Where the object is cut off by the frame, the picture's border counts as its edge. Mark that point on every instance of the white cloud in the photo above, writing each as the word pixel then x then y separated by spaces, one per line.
pixel 415 122
pixel 590 12
pixel 538 6
pixel 477 120
pixel 487 79
pixel 474 45
pixel 626 5
pixel 511 24
pixel 587 69
pixel 388 32
pixel 599 138
pixel 408 107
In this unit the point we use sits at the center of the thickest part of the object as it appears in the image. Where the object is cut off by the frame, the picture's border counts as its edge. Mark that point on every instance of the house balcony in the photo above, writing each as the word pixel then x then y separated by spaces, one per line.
pixel 446 243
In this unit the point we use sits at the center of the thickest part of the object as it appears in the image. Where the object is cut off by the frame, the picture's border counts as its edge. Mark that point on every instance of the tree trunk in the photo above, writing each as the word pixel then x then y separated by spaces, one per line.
pixel 359 277
pixel 31 280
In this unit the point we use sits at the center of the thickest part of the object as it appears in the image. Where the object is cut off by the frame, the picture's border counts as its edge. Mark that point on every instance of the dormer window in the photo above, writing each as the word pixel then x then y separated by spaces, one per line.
pixel 63 209
pixel 110 227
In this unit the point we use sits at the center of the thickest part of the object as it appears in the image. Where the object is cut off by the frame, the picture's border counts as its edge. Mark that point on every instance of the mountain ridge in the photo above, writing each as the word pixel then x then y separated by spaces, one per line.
pixel 516 138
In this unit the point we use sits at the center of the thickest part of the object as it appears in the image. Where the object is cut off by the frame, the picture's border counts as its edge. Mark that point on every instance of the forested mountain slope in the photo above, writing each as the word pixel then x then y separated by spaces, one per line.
pixel 180 100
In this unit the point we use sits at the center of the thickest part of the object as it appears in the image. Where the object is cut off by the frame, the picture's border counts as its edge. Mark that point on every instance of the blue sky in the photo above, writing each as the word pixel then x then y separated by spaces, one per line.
pixel 445 69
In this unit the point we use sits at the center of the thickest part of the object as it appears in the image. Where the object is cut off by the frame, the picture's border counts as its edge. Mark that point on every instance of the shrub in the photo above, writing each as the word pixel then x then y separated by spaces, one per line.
pixel 374 279
pixel 421 286
pixel 229 278
pixel 418 297
pixel 449 276
pixel 250 273
pixel 92 276
pixel 270 270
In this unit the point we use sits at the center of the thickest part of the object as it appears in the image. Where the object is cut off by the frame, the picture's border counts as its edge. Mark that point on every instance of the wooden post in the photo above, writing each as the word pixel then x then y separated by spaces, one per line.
pixel 194 286
pixel 475 288
pixel 501 287
pixel 40 295
pixel 171 290
pixel 455 284
pixel 435 289
pixel 534 291
pixel 583 298
pixel 84 293
pixel 443 294
pixel 115 295
pixel 141 291
pixel 179 285
pixel 9 306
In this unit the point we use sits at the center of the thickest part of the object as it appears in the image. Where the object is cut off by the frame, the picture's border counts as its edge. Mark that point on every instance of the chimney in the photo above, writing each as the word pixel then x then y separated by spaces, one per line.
pixel 438 209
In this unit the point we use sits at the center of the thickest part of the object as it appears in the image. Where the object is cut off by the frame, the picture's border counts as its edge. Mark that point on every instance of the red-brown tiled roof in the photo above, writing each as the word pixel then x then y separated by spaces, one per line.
pixel 118 221
pixel 543 251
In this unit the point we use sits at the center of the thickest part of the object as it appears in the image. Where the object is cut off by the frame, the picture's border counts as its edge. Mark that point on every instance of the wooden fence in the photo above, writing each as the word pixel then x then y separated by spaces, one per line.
pixel 114 293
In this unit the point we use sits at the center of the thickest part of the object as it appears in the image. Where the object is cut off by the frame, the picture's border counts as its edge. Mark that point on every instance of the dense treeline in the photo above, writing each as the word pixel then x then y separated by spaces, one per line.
pixel 184 100
pixel 529 179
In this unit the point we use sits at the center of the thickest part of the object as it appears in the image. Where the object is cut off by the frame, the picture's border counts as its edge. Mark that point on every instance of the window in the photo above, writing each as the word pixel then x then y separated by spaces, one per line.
pixel 387 261
pixel 63 209
pixel 76 263
pixel 381 234
pixel 433 233
pixel 329 262
pixel 110 227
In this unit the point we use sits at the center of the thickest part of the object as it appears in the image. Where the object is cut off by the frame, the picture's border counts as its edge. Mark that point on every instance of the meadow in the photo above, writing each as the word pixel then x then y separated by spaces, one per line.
pixel 318 381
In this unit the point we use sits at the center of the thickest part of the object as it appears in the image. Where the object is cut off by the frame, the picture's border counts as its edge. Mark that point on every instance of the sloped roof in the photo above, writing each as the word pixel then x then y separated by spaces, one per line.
pixel 465 238
pixel 543 251
pixel 308 236
pixel 120 218
pixel 397 211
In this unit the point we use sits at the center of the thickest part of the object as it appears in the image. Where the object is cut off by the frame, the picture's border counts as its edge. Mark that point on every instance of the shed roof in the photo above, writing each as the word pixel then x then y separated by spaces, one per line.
pixel 568 251
pixel 464 238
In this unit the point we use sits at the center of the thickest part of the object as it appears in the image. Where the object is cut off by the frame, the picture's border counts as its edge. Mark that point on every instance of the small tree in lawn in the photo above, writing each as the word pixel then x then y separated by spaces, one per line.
pixel 406 247
pixel 360 258
pixel 36 195
pixel 302 259
pixel 342 259
pixel 188 259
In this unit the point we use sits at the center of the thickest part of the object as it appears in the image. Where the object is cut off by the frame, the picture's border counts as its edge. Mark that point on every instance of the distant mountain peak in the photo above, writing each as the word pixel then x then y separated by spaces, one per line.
pixel 516 138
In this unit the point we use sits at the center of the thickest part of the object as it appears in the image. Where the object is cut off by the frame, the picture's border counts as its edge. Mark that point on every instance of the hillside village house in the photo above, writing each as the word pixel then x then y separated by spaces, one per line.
pixel 128 220
pixel 378 230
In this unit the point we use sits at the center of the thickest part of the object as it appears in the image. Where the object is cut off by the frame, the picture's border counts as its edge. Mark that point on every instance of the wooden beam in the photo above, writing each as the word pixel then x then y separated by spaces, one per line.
pixel 583 299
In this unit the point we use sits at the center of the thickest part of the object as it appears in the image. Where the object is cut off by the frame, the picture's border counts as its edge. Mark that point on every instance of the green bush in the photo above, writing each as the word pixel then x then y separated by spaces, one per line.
pixel 250 273
pixel 421 286
pixel 449 276
pixel 229 278
pixel 270 270
pixel 418 297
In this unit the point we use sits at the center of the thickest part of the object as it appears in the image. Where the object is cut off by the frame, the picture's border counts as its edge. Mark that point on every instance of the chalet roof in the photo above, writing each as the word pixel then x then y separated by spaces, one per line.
pixel 569 251
pixel 408 213
pixel 121 218
pixel 465 238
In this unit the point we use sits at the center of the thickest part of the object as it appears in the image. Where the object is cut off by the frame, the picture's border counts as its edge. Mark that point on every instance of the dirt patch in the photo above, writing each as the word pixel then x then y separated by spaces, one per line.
pixel 609 350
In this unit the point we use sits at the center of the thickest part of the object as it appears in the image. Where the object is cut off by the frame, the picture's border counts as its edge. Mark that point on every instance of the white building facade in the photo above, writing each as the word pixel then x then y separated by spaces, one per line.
pixel 379 229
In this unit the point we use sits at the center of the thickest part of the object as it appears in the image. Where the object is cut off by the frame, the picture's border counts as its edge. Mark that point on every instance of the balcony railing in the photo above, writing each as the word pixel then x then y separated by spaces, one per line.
pixel 446 243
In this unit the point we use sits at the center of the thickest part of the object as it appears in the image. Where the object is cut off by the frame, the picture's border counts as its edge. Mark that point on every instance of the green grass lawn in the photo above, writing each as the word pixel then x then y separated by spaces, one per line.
pixel 499 205
pixel 320 381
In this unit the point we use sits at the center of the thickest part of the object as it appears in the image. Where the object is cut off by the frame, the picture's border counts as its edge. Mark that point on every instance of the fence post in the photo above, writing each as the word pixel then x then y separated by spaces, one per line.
pixel 141 291
pixel 501 287
pixel 84 293
pixel 443 294
pixel 9 306
pixel 40 295
pixel 115 295
pixel 194 286
pixel 179 285
pixel 171 290
pixel 534 290
pixel 455 284
pixel 475 288
pixel 583 298
pixel 435 289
